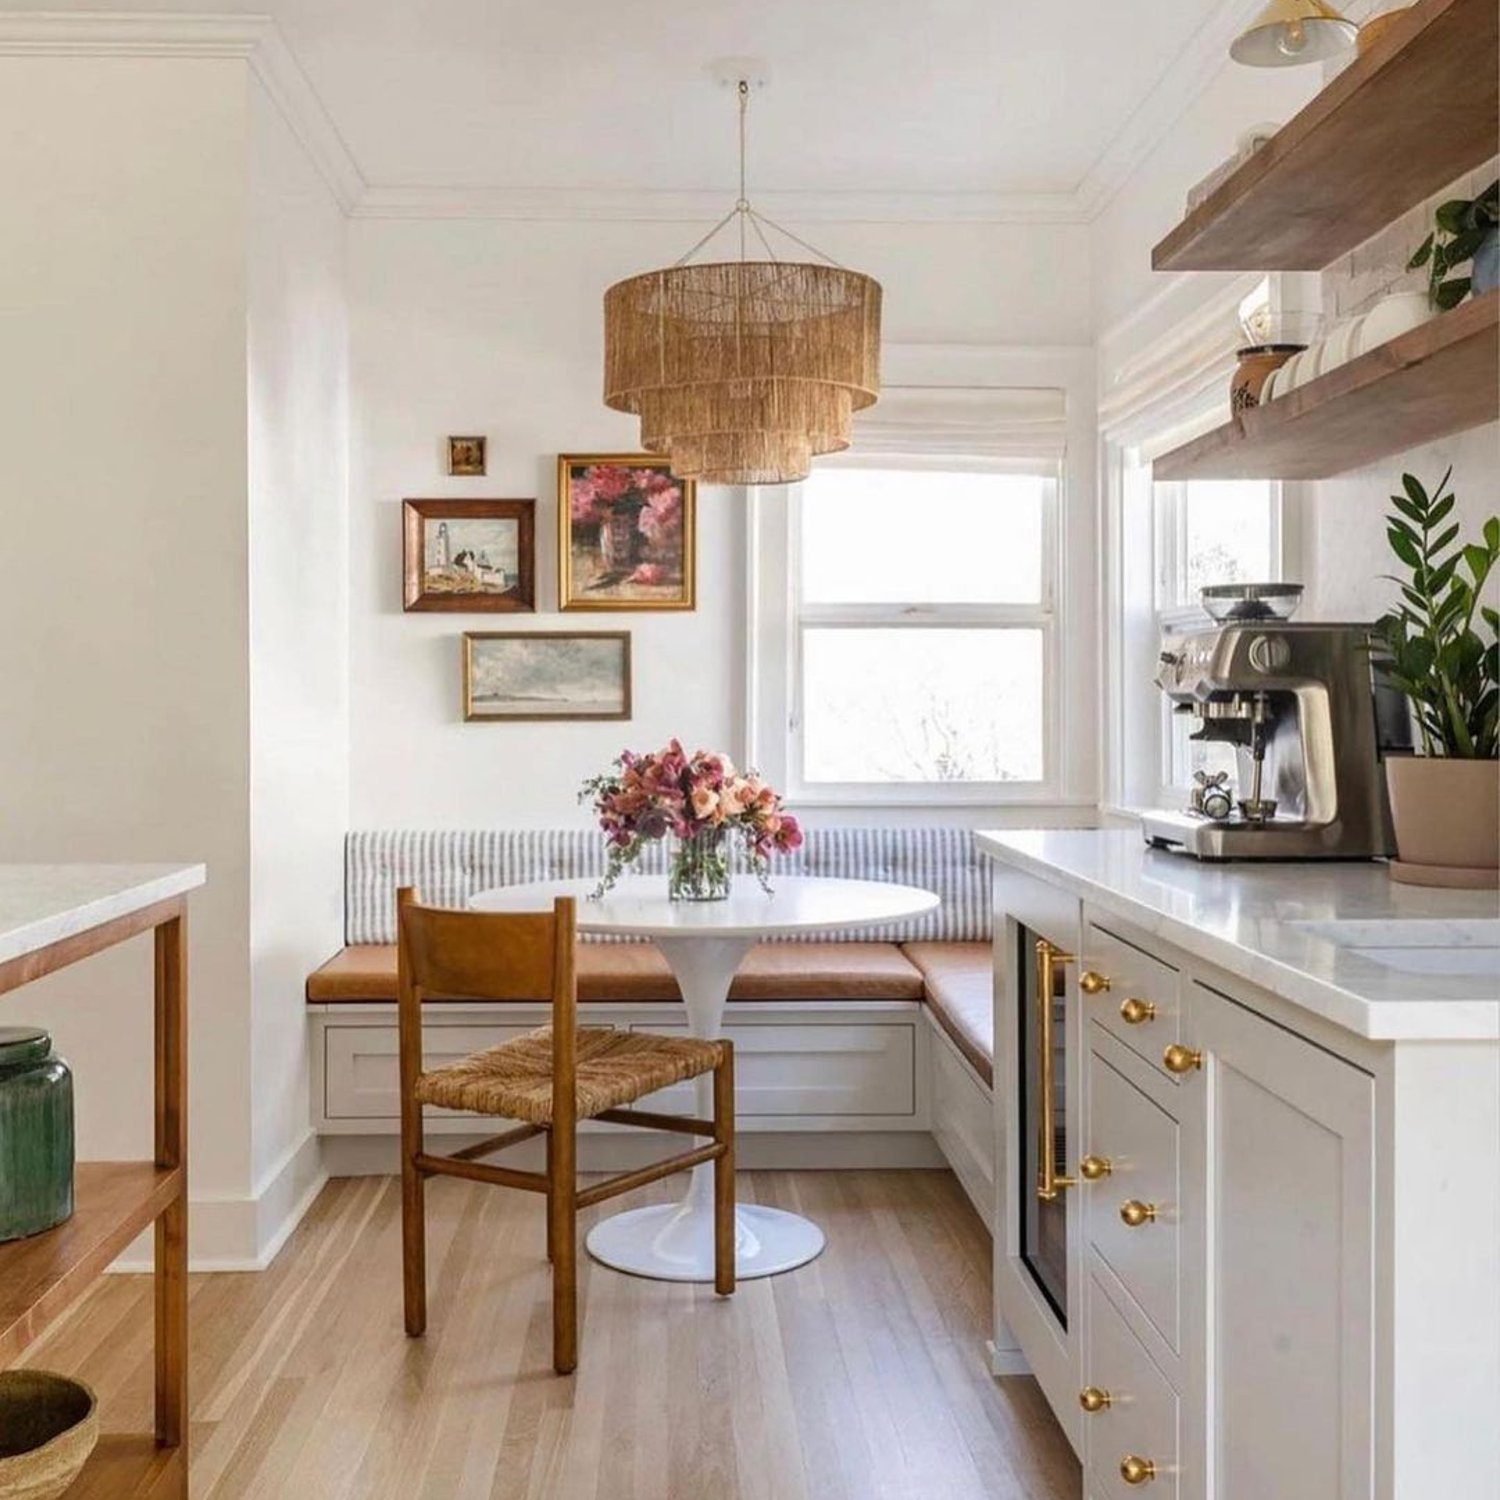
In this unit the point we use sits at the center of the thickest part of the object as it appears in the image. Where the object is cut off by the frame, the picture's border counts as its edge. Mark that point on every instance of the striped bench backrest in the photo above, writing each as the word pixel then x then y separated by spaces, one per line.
pixel 448 866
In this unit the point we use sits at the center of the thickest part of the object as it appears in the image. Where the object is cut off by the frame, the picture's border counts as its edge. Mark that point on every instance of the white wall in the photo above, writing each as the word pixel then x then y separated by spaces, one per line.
pixel 123 577
pixel 495 327
pixel 297 362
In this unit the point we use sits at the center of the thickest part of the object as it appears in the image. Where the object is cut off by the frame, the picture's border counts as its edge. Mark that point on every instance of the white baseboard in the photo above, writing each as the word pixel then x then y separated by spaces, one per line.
pixel 1006 1361
pixel 227 1232
pixel 621 1150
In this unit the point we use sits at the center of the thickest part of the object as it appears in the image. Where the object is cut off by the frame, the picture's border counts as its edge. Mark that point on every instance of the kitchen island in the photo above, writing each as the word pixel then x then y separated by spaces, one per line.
pixel 52 916
pixel 1249 1120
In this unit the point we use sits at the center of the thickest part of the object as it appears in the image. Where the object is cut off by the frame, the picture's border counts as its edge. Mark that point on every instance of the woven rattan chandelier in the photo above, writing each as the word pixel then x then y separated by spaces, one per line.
pixel 743 371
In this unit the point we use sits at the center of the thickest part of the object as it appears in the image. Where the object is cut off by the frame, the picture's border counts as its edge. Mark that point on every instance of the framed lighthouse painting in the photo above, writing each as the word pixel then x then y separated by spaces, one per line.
pixel 469 556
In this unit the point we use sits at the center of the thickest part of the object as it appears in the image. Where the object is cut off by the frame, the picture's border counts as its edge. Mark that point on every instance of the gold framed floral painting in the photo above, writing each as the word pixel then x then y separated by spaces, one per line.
pixel 626 533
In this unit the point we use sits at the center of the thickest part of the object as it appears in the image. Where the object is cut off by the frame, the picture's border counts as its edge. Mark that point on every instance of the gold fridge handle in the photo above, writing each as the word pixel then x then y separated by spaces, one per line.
pixel 1048 1182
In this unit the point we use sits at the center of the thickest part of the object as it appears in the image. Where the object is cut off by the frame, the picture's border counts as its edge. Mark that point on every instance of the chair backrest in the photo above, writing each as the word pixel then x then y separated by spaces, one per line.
pixel 481 955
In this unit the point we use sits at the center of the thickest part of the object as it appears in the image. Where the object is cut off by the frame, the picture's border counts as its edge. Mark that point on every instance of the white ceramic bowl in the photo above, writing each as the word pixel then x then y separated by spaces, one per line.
pixel 1268 390
pixel 1293 373
pixel 1339 346
pixel 1391 317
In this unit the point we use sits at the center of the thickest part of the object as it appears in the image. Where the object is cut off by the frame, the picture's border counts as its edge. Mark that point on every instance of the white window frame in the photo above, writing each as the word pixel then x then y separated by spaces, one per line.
pixel 776 692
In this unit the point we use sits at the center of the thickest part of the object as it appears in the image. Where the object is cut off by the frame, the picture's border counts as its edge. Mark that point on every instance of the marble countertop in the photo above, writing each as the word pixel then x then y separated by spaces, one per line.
pixel 1386 961
pixel 42 904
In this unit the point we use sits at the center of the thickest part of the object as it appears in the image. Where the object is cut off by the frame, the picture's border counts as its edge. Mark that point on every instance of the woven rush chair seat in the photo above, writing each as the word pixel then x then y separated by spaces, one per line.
pixel 514 1080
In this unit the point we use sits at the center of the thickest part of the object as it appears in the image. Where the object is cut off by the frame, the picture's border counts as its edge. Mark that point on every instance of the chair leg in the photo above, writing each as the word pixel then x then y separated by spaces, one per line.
pixel 724 1226
pixel 562 1232
pixel 551 1228
pixel 413 1237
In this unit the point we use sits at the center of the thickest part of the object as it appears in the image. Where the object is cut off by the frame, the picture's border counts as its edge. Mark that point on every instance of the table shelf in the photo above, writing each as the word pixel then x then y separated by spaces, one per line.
pixel 42 1276
pixel 1435 380
pixel 1397 125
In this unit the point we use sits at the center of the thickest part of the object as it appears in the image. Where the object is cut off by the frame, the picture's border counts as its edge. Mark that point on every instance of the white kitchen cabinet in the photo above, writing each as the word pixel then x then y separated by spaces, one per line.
pixel 1282 1171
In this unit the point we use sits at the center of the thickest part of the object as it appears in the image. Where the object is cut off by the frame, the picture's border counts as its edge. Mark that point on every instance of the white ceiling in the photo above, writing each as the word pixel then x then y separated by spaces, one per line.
pixel 866 96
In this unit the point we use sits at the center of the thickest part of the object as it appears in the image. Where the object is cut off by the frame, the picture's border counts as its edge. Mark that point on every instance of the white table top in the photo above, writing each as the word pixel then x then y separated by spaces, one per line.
pixel 1274 924
pixel 639 904
pixel 42 904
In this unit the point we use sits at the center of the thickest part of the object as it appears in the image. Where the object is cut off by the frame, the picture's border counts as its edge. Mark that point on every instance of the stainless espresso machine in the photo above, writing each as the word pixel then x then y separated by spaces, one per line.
pixel 1309 714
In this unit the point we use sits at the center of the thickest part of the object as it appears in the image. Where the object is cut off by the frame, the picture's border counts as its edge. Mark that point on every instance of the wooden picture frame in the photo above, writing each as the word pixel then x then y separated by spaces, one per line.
pixel 636 550
pixel 592 692
pixel 468 456
pixel 480 539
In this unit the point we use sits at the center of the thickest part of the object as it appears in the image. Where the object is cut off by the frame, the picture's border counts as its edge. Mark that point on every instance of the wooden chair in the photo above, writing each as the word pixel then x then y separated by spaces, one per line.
pixel 549 1079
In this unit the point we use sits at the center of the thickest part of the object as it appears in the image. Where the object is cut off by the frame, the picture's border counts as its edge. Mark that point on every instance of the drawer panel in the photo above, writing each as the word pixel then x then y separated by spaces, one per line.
pixel 1140 1141
pixel 360 1071
pixel 865 1068
pixel 1143 1415
pixel 1140 1005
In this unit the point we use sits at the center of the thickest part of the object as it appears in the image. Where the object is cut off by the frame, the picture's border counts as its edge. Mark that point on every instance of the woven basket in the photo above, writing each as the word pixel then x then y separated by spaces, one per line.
pixel 48 1427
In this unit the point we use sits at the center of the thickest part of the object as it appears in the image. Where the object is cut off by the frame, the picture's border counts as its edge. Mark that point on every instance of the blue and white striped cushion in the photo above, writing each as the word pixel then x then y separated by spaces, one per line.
pixel 447 866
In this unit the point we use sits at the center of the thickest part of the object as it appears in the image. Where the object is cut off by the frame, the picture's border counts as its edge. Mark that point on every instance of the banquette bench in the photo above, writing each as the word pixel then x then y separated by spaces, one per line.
pixel 880 1036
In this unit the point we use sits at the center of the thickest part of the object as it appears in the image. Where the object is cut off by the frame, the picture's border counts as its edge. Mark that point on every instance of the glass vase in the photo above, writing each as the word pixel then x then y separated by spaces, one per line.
pixel 700 867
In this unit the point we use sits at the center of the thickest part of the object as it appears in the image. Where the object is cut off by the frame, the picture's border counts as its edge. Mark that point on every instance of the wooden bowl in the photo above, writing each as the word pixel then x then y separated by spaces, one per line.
pixel 48 1427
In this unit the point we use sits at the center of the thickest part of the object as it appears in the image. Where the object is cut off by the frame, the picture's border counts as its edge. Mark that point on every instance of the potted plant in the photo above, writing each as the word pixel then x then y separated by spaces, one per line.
pixel 1443 643
pixel 1468 229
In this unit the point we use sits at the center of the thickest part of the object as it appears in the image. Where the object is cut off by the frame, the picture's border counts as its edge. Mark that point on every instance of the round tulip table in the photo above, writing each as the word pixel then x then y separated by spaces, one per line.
pixel 704 943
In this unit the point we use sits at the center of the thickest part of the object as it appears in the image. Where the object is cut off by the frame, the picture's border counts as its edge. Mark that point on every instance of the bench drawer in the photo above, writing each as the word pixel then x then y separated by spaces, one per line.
pixel 865 1068
pixel 1134 996
pixel 1139 1141
pixel 1142 1418
pixel 360 1070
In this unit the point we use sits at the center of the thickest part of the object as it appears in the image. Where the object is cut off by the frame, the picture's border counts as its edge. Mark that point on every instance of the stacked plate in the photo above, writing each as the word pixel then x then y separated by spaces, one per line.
pixel 1348 339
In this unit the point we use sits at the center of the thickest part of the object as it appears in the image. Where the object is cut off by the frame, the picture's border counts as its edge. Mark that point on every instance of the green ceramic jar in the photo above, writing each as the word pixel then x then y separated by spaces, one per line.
pixel 36 1134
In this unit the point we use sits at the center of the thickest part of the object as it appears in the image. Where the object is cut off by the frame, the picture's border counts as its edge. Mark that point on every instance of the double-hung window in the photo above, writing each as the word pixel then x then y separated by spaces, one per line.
pixel 922 643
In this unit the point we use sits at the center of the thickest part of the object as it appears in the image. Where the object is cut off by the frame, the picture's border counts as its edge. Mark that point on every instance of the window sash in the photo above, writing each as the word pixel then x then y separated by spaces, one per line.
pixel 1039 615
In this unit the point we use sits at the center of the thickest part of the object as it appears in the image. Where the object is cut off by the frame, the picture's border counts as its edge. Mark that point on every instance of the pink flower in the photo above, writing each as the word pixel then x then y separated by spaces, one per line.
pixel 705 801
pixel 649 573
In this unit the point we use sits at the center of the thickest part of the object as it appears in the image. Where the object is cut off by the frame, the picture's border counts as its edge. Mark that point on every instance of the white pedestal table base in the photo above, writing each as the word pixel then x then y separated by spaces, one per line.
pixel 675 1241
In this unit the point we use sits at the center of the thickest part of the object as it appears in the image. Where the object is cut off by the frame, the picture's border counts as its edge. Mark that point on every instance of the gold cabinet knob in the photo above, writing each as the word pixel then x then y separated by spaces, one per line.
pixel 1133 1012
pixel 1135 1213
pixel 1092 1399
pixel 1091 982
pixel 1136 1470
pixel 1177 1059
pixel 1092 1168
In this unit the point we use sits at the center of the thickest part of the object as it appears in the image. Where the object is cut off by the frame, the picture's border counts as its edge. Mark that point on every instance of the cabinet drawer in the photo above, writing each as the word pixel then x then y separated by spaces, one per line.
pixel 360 1070
pixel 867 1068
pixel 1143 1414
pixel 1140 1004
pixel 1139 1140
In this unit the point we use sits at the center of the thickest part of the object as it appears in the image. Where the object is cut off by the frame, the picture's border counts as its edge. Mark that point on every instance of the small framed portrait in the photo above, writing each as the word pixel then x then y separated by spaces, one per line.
pixel 627 533
pixel 466 456
pixel 469 555
pixel 546 674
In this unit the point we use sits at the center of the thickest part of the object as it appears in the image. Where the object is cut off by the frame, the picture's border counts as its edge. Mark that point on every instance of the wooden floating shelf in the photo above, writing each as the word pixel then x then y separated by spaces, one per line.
pixel 1435 380
pixel 1418 109
pixel 42 1276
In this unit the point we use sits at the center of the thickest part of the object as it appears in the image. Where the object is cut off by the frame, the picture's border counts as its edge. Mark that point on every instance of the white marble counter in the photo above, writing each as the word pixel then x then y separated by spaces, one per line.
pixel 42 904
pixel 1386 961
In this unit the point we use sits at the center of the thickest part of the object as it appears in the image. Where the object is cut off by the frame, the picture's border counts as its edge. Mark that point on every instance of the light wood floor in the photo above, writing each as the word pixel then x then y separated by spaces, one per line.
pixel 858 1377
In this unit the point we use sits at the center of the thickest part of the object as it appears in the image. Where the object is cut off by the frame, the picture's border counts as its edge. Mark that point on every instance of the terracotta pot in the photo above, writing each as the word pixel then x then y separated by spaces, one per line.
pixel 1447 817
pixel 1253 370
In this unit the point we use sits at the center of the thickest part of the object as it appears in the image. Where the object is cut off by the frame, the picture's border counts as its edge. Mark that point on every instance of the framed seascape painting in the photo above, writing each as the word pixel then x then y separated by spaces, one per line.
pixel 546 674
pixel 469 555
pixel 627 533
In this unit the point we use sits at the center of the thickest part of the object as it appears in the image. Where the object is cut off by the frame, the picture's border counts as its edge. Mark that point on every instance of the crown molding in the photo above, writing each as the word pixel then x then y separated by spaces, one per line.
pixel 706 206
pixel 253 38
pixel 1189 73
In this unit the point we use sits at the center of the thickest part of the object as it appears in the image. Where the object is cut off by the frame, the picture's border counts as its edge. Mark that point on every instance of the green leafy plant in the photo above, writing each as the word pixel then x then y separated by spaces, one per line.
pixel 1448 666
pixel 1462 224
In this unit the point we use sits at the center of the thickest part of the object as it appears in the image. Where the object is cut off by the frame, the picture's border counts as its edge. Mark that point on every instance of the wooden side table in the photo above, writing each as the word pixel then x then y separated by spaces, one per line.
pixel 52 916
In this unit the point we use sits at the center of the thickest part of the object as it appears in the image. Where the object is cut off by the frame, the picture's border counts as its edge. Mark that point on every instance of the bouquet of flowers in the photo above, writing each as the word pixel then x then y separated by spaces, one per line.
pixel 702 801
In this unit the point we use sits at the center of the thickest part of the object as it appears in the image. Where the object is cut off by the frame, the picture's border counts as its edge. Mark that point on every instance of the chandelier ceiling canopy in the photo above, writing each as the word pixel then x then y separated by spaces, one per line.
pixel 743 371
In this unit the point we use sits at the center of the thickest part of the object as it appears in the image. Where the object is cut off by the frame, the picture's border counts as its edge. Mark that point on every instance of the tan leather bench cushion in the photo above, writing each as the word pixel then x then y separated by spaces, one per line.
pixel 960 990
pixel 638 972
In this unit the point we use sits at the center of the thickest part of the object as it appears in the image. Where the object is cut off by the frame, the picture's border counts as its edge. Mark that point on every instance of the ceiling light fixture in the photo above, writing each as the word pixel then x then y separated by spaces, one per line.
pixel 743 371
pixel 1288 32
